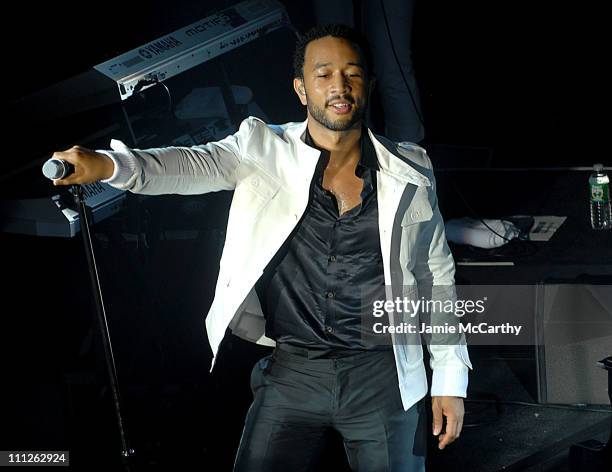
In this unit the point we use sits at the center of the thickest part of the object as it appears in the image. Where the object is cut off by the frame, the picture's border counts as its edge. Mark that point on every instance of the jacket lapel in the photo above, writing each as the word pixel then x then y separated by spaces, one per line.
pixel 397 184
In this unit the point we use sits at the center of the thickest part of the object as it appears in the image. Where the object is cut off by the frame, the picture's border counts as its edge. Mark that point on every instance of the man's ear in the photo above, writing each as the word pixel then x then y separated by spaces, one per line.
pixel 298 86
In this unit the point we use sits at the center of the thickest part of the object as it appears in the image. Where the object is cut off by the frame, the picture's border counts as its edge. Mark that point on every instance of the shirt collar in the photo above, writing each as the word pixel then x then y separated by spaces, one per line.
pixel 367 158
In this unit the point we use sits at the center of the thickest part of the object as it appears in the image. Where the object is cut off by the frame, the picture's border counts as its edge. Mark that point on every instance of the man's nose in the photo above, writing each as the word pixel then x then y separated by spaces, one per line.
pixel 340 84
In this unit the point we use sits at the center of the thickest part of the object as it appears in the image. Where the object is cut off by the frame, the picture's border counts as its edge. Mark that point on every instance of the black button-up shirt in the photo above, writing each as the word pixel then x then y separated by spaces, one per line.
pixel 323 280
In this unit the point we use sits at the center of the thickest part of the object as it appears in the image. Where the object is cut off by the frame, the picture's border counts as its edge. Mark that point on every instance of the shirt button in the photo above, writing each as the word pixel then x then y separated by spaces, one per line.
pixel 332 258
pixel 329 329
pixel 330 294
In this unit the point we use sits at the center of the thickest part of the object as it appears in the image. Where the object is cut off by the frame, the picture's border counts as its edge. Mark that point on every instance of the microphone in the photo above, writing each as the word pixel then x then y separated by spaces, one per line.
pixel 57 169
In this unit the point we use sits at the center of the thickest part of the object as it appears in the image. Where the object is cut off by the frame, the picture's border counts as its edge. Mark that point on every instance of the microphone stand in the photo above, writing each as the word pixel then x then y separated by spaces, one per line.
pixel 127 453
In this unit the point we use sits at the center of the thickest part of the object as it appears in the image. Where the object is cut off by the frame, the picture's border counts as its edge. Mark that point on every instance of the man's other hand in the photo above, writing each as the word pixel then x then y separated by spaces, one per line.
pixel 452 409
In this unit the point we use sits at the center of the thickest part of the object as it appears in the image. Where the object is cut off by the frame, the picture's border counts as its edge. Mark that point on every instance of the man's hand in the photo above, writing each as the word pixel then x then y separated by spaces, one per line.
pixel 89 166
pixel 452 409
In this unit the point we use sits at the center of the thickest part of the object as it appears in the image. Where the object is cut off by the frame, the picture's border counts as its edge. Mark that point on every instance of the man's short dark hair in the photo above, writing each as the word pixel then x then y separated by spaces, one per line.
pixel 336 31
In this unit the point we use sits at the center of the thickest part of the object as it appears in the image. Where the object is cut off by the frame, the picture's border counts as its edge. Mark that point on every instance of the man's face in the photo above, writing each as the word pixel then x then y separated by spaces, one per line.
pixel 335 86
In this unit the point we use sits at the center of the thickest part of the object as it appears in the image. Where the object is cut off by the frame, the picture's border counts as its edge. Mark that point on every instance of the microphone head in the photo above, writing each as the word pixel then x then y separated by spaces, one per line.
pixel 54 169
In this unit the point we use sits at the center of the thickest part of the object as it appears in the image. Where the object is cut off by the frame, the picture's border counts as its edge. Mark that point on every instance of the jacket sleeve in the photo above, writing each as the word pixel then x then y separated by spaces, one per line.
pixel 180 170
pixel 435 274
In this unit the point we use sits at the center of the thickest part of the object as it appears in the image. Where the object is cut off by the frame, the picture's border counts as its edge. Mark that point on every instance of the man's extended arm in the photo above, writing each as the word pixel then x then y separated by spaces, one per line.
pixel 178 170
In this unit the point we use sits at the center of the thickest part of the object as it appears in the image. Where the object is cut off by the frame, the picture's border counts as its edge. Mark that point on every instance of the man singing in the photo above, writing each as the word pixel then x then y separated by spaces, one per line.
pixel 322 211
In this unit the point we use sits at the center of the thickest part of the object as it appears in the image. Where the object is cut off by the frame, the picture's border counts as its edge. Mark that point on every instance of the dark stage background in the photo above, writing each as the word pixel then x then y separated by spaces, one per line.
pixel 525 80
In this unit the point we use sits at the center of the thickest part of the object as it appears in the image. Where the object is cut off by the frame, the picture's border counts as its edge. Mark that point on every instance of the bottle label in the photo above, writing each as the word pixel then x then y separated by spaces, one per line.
pixel 600 193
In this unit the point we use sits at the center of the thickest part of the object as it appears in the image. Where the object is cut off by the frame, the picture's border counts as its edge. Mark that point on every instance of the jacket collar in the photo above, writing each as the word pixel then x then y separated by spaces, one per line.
pixel 367 158
pixel 389 162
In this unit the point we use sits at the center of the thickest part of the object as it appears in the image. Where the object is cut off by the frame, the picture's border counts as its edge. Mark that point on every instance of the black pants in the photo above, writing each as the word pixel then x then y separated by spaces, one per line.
pixel 297 398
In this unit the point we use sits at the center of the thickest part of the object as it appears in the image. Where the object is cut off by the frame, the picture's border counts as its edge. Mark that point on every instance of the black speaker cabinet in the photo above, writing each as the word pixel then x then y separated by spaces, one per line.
pixel 573 332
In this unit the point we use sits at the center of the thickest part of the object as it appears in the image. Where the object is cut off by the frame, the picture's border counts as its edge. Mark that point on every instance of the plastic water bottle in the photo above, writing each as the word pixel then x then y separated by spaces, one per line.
pixel 599 191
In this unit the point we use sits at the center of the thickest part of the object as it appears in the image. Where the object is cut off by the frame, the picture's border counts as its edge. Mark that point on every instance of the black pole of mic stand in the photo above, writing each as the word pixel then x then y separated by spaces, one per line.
pixel 77 191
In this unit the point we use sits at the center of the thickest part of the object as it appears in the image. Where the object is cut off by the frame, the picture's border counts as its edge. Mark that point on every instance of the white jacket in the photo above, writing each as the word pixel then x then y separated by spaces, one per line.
pixel 270 169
